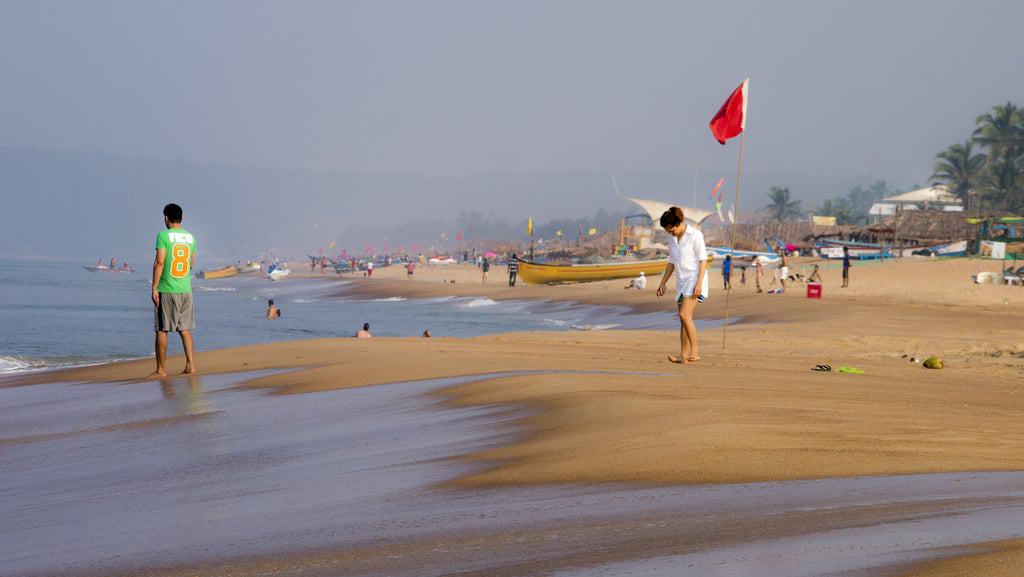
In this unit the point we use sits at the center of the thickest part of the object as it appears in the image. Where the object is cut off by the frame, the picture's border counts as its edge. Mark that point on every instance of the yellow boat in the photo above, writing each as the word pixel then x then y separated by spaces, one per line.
pixel 230 270
pixel 534 273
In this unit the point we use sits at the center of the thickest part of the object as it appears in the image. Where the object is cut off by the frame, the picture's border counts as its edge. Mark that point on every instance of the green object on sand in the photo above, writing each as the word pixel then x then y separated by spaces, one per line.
pixel 851 370
pixel 933 363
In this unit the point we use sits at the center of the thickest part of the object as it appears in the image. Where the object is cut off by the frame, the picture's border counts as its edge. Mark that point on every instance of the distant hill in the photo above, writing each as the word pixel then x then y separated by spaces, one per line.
pixel 94 205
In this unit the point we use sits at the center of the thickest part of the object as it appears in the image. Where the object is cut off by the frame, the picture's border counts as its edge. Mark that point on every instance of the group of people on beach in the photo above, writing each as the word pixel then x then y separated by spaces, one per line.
pixel 175 255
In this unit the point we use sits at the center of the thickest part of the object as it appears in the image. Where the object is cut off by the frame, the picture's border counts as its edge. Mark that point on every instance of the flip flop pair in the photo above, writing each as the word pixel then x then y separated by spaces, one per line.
pixel 822 368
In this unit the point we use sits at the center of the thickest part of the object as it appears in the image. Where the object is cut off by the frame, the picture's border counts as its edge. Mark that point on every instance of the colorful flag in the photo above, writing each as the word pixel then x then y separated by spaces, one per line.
pixel 529 227
pixel 592 231
pixel 718 185
pixel 458 236
pixel 731 118
pixel 558 234
pixel 332 245
pixel 718 209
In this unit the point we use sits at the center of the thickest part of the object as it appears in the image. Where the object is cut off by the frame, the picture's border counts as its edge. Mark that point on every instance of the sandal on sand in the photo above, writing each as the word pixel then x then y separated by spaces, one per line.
pixel 822 368
pixel 851 371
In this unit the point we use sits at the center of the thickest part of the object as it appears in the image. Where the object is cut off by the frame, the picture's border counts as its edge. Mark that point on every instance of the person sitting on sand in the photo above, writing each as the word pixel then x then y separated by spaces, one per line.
pixel 815 276
pixel 364 333
pixel 272 311
pixel 688 261
pixel 426 334
pixel 639 283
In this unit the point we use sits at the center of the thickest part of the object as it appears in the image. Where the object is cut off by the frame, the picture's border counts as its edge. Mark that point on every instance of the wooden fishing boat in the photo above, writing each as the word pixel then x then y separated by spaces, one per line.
pixel 536 273
pixel 230 270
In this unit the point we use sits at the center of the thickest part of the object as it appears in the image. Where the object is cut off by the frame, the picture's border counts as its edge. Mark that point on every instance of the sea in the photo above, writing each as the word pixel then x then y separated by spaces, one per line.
pixel 58 314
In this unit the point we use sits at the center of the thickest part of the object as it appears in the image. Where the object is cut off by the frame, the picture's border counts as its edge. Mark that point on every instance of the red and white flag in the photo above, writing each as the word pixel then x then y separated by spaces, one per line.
pixel 732 116
pixel 718 185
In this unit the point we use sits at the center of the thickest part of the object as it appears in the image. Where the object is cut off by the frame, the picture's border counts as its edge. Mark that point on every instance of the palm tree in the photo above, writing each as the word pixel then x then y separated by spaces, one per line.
pixel 1004 184
pixel 1001 131
pixel 960 169
pixel 781 207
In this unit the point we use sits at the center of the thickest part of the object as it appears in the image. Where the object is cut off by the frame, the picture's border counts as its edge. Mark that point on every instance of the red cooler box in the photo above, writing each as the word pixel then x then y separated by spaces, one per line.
pixel 813 290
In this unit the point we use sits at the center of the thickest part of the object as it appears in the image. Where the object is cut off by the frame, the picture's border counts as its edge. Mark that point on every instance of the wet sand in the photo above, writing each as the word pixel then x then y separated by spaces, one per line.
pixel 357 482
pixel 751 414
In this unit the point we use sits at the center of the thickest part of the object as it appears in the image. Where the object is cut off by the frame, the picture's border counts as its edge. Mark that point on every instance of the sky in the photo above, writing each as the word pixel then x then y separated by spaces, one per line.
pixel 454 88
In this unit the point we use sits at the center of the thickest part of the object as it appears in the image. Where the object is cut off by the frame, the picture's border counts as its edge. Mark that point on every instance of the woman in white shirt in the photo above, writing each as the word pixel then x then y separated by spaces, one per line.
pixel 687 259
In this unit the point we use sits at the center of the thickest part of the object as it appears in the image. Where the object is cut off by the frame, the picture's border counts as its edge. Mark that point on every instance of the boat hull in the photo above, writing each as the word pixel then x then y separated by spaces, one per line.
pixel 128 270
pixel 534 273
pixel 225 272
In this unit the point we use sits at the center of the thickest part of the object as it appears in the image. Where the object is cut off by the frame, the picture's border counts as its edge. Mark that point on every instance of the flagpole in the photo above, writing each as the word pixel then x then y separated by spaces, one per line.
pixel 732 240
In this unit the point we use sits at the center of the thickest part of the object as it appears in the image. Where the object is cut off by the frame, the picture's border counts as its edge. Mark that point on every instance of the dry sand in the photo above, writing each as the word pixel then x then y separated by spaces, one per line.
pixel 754 411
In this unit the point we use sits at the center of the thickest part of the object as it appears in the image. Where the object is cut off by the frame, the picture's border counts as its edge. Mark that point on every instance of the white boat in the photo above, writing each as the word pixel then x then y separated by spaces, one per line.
pixel 278 274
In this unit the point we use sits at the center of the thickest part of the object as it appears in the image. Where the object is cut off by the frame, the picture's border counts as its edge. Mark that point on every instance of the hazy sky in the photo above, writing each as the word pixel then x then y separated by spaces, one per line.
pixel 450 88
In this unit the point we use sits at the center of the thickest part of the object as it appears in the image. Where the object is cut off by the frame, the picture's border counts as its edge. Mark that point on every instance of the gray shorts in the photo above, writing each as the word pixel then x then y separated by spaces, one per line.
pixel 174 314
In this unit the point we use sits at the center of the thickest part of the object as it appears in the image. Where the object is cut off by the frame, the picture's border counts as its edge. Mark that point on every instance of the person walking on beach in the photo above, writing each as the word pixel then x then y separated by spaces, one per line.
pixel 364 333
pixel 369 268
pixel 409 268
pixel 727 272
pixel 513 270
pixel 758 273
pixel 846 266
pixel 172 289
pixel 687 260
pixel 783 269
pixel 485 266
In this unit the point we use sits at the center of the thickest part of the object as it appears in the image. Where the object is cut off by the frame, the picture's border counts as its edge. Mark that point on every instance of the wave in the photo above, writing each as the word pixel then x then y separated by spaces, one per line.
pixel 597 327
pixel 13 364
pixel 303 301
pixel 480 302
pixel 217 289
pixel 388 300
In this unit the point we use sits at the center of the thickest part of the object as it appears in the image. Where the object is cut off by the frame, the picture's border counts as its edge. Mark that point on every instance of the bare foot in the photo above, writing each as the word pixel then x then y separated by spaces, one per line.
pixel 692 359
pixel 189 371
pixel 157 375
pixel 678 360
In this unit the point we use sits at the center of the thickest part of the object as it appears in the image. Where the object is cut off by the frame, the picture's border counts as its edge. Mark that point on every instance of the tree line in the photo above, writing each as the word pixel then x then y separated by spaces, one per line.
pixel 990 163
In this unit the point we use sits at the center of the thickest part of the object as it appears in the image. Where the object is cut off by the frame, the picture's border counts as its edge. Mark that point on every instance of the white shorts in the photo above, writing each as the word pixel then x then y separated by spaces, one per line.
pixel 784 272
pixel 686 289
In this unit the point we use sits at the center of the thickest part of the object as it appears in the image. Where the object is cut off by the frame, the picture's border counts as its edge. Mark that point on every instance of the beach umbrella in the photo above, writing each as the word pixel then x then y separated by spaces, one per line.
pixel 490 254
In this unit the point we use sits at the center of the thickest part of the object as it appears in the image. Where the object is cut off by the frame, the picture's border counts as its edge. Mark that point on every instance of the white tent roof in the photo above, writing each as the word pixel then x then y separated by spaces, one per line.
pixel 938 194
pixel 655 208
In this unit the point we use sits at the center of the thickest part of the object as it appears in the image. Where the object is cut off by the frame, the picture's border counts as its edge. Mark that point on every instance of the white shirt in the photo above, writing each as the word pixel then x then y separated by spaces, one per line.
pixel 686 254
pixel 640 282
pixel 369 265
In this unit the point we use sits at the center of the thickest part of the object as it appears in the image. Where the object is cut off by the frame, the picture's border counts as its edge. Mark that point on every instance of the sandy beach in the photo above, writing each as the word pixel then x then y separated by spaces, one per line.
pixel 609 408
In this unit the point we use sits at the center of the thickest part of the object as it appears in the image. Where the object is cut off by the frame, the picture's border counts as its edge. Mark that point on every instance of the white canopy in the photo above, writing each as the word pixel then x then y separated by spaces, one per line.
pixel 655 208
pixel 937 194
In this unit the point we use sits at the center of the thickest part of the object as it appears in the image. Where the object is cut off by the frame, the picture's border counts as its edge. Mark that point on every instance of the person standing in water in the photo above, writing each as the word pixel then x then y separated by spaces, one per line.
pixel 687 260
pixel 272 311
pixel 172 289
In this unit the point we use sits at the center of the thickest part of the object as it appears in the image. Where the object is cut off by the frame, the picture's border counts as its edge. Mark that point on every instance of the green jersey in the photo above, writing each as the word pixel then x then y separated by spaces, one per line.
pixel 177 274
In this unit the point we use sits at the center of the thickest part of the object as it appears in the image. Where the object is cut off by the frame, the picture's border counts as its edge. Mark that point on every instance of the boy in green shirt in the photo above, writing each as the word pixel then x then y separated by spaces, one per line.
pixel 172 289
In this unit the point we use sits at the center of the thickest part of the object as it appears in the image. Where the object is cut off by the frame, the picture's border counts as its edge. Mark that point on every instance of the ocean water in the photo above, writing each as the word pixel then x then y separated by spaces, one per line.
pixel 59 314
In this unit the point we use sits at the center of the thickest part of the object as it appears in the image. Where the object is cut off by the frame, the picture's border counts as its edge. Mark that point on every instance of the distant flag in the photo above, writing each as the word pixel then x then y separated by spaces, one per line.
pixel 718 209
pixel 558 234
pixel 332 245
pixel 458 236
pixel 592 231
pixel 529 227
pixel 731 118
pixel 732 217
pixel 718 185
